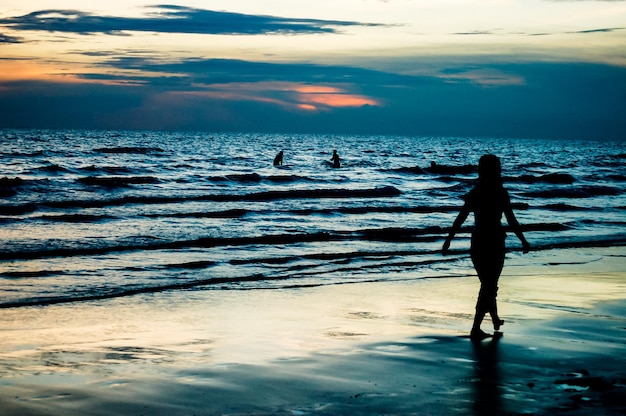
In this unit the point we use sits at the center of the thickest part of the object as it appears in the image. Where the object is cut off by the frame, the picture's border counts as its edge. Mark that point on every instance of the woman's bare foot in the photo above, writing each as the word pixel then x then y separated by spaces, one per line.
pixel 479 334
pixel 497 323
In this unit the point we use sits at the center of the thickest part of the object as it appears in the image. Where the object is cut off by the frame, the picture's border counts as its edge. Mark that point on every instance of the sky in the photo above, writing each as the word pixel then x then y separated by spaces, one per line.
pixel 489 68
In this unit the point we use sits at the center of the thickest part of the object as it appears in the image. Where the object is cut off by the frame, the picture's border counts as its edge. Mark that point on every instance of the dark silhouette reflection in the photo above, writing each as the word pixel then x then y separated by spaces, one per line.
pixel 278 160
pixel 488 201
pixel 335 160
pixel 487 383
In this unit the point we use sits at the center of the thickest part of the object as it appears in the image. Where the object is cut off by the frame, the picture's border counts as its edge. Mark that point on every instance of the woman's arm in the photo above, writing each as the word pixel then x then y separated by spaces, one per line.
pixel 456 226
pixel 512 221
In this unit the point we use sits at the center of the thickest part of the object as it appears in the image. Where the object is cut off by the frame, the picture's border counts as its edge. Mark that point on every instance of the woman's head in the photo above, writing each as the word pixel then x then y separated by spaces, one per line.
pixel 489 170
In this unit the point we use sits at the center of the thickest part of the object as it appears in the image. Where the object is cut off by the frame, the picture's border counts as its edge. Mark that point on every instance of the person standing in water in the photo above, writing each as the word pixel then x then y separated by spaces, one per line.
pixel 278 160
pixel 488 201
pixel 335 159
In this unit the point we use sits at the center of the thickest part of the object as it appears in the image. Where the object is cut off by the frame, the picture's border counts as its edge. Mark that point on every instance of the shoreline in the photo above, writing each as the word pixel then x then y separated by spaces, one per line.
pixel 396 347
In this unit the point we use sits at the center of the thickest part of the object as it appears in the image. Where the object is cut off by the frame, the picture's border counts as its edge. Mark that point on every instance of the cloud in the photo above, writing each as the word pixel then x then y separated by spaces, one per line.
pixel 172 19
pixel 499 32
pixel 196 73
pixel 9 39
pixel 485 77
pixel 290 85
pixel 603 30
pixel 556 100
pixel 289 95
pixel 476 32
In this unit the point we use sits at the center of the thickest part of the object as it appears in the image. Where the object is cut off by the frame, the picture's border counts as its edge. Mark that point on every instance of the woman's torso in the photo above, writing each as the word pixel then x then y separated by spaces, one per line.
pixel 488 206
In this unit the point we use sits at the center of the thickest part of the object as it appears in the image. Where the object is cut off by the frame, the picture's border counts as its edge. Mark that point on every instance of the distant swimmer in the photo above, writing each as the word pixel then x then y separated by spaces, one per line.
pixel 278 160
pixel 335 159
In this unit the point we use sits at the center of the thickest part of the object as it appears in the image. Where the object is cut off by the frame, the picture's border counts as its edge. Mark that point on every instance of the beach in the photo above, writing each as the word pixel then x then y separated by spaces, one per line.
pixel 155 273
pixel 388 347
pixel 228 209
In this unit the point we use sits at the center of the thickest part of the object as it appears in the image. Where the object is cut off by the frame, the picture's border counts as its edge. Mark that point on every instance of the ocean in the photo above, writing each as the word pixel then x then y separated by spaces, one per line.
pixel 87 216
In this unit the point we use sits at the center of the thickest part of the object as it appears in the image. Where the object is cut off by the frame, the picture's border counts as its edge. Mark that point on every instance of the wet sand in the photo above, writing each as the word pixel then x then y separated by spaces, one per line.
pixel 395 348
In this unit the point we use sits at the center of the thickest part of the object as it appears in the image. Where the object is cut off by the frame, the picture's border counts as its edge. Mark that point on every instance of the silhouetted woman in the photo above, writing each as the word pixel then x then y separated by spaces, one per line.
pixel 335 159
pixel 488 201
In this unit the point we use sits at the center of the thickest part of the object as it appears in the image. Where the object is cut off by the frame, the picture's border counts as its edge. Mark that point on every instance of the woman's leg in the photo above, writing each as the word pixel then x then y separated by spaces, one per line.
pixel 488 265
pixel 487 301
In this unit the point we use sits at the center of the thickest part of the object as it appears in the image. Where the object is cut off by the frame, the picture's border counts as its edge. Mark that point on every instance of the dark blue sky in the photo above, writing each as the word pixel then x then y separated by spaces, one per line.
pixel 174 67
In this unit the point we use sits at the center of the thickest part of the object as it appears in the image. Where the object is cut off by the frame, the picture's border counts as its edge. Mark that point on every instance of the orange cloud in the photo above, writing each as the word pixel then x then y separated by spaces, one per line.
pixel 24 70
pixel 292 95
pixel 316 97
pixel 317 89
pixel 307 107
pixel 337 100
pixel 27 70
pixel 228 95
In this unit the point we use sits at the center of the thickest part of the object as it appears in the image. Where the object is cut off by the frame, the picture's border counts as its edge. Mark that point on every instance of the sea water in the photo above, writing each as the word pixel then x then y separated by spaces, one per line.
pixel 93 215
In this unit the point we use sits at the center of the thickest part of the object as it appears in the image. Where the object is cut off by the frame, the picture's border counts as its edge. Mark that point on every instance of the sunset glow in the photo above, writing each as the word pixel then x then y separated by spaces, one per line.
pixel 337 100
pixel 400 58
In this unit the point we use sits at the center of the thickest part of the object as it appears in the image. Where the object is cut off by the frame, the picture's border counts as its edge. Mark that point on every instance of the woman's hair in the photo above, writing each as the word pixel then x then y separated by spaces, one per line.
pixel 489 171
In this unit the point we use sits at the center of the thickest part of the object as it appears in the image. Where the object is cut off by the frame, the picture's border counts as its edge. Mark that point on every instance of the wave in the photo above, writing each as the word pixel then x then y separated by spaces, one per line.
pixel 552 178
pixel 532 165
pixel 205 242
pixel 191 265
pixel 255 178
pixel 240 212
pixel 244 177
pixel 423 209
pixel 119 292
pixel 288 178
pixel 609 161
pixel 229 213
pixel 337 258
pixel 564 207
pixel 74 218
pixel 344 256
pixel 129 150
pixel 52 168
pixel 437 169
pixel 376 209
pixel 17 209
pixel 338 193
pixel 117 181
pixel 448 173
pixel 31 274
pixel 617 178
pixel 224 283
pixel 409 169
pixel 109 170
pixel 391 234
pixel 36 153
pixel 11 186
pixel 7 192
pixel 7 182
pixel 295 273
pixel 237 213
pixel 615 241
pixel 572 193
